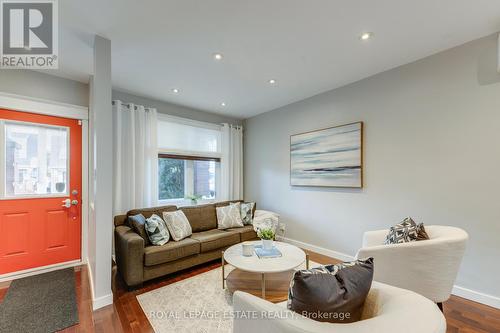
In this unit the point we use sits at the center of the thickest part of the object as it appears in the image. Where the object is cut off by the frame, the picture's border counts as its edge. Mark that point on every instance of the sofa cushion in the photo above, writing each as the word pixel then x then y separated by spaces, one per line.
pixel 246 233
pixel 154 255
pixel 201 217
pixel 226 203
pixel 216 239
pixel 147 212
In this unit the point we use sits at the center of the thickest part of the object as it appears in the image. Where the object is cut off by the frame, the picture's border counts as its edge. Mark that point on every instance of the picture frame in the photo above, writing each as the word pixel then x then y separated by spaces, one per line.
pixel 328 157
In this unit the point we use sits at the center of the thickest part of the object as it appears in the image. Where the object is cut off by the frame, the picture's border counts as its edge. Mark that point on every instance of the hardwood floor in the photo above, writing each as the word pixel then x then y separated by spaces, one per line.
pixel 125 315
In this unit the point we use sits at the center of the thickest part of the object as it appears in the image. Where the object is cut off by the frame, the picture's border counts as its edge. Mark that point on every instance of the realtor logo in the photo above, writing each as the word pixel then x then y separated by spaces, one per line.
pixel 29 34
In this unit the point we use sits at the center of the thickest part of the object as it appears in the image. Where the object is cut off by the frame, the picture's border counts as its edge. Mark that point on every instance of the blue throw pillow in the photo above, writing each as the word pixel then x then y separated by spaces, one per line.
pixel 138 224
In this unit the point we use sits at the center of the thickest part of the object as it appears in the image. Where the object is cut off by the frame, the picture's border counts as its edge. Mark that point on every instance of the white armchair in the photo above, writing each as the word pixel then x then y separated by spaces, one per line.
pixel 266 219
pixel 387 309
pixel 426 267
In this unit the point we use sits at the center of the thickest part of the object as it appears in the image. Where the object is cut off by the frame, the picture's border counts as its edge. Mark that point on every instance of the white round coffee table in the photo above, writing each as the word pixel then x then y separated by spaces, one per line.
pixel 261 276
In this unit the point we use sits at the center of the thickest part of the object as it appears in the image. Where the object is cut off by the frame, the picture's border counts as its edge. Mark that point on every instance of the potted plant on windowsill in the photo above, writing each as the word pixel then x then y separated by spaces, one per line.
pixel 267 237
pixel 194 199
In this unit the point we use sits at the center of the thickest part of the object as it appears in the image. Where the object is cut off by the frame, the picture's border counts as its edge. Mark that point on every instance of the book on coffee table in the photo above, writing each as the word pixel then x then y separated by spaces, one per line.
pixel 263 253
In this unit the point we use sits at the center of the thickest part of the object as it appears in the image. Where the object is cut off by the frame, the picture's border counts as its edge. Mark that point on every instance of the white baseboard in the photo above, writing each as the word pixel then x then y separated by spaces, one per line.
pixel 476 296
pixel 318 249
pixel 469 294
pixel 102 301
pixel 98 302
pixel 39 270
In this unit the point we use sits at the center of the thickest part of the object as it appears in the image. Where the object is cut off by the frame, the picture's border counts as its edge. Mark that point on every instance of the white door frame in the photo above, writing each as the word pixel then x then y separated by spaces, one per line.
pixel 52 108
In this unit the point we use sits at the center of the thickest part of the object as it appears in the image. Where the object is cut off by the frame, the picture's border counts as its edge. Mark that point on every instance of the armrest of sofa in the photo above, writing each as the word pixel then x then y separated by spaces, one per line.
pixel 129 253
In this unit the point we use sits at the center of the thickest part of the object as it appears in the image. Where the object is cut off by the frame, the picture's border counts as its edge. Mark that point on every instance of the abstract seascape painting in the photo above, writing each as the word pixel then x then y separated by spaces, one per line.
pixel 328 157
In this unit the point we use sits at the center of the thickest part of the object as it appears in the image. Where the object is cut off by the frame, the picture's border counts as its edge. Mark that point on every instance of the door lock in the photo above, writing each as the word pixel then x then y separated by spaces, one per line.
pixel 66 203
pixel 74 202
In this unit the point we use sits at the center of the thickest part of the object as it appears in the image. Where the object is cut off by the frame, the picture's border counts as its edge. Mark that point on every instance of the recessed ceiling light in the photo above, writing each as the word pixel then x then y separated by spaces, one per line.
pixel 366 35
pixel 223 104
pixel 272 81
pixel 175 91
pixel 217 56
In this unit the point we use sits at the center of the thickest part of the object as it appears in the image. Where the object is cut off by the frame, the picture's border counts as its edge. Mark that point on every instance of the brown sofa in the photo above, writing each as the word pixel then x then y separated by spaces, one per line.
pixel 138 262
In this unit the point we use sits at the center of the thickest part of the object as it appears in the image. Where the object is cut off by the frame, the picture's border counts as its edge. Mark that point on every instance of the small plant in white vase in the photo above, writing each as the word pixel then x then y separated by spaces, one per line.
pixel 194 199
pixel 267 236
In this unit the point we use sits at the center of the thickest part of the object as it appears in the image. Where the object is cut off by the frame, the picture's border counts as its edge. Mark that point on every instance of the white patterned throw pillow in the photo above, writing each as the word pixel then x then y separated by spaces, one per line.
pixel 246 210
pixel 156 229
pixel 177 224
pixel 229 216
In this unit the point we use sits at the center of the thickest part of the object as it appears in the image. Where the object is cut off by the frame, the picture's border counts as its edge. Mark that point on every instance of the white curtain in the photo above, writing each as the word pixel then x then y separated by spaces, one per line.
pixel 232 162
pixel 135 157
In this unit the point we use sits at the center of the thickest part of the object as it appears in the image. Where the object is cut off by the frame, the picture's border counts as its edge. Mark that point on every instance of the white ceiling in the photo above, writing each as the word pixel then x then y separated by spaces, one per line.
pixel 308 46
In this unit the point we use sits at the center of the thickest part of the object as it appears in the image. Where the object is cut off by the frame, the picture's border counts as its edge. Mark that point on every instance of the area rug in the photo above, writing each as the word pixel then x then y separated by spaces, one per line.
pixel 196 305
pixel 42 303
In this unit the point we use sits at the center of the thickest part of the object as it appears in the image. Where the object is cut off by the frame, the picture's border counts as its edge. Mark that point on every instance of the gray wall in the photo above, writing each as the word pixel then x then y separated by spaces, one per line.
pixel 175 110
pixel 432 135
pixel 41 85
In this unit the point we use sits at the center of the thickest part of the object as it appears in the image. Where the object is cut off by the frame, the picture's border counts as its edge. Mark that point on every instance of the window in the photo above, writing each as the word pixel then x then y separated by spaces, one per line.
pixel 188 159
pixel 181 176
pixel 36 160
pixel 171 178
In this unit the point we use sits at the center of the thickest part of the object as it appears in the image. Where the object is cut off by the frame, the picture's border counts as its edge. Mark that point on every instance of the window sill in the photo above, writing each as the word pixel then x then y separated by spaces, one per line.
pixel 185 202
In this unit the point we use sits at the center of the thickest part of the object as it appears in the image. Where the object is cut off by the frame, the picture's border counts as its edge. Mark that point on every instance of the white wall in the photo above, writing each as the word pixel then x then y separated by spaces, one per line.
pixel 432 151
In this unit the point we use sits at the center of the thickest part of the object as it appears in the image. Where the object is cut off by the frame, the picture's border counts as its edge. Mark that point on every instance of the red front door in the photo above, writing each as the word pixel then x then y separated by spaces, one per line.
pixel 40 190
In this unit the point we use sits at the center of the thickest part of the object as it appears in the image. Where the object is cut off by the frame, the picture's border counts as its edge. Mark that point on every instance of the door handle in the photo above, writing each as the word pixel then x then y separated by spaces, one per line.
pixel 66 203
pixel 74 202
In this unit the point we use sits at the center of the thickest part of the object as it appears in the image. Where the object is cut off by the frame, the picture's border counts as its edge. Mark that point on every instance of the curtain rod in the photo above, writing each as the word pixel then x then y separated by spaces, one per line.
pixel 233 125
pixel 123 103
pixel 180 119
pixel 128 104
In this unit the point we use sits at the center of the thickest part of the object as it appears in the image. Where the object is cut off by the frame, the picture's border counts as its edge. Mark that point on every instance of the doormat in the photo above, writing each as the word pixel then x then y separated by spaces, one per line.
pixel 42 303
